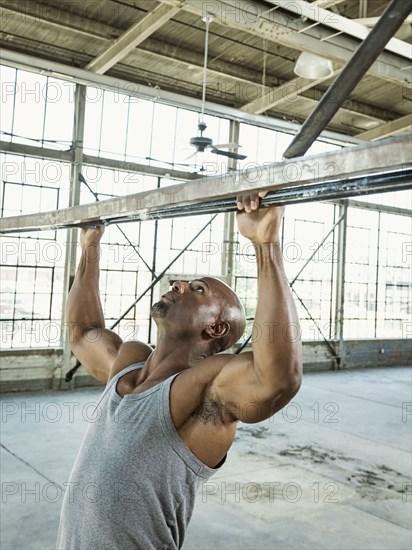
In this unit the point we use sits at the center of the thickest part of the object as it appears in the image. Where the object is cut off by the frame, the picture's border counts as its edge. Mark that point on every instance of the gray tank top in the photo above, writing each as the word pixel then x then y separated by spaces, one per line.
pixel 134 481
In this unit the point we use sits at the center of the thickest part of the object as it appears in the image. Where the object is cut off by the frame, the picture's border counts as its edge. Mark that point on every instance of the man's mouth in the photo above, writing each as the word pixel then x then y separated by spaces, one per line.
pixel 168 296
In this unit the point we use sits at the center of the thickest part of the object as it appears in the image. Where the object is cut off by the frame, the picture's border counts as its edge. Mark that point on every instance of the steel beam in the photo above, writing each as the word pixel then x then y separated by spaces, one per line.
pixel 350 76
pixel 404 33
pixel 371 21
pixel 385 165
pixel 162 50
pixel 254 18
pixel 90 160
pixel 357 186
pixel 239 14
pixel 389 129
pixel 339 23
pixel 131 38
pixel 283 93
pixel 383 208
pixel 65 156
pixel 325 4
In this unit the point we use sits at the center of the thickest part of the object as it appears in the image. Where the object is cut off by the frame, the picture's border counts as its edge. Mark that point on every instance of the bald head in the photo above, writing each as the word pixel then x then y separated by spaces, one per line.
pixel 205 311
pixel 231 312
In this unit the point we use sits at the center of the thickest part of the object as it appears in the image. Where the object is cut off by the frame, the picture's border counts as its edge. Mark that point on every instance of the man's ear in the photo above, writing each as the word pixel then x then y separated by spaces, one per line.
pixel 218 330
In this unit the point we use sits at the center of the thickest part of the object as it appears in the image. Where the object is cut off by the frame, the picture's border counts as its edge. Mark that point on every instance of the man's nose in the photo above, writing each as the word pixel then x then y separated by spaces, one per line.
pixel 179 286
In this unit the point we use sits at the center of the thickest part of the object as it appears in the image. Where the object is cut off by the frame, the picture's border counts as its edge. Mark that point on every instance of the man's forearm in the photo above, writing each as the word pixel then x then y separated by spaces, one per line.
pixel 277 346
pixel 84 309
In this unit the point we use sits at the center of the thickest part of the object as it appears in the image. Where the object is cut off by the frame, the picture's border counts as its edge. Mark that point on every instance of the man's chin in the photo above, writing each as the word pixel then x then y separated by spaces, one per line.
pixel 159 309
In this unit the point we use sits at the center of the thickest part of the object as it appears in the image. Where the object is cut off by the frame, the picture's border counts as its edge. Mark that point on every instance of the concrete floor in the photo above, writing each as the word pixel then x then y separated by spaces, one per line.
pixel 332 472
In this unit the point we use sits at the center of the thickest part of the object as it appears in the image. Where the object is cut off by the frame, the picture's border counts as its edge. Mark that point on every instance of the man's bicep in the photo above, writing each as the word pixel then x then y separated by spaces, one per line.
pixel 243 395
pixel 97 350
pixel 237 386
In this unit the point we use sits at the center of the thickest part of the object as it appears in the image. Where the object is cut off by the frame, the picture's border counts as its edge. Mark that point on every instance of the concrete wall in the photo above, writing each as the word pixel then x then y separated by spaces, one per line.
pixel 28 369
pixel 37 369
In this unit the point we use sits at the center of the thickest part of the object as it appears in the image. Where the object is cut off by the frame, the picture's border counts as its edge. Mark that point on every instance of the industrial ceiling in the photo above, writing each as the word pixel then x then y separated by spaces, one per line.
pixel 253 48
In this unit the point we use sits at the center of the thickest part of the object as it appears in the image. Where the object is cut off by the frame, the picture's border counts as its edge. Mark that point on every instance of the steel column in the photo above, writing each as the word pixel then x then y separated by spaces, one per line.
pixel 228 251
pixel 153 269
pixel 74 200
pixel 340 284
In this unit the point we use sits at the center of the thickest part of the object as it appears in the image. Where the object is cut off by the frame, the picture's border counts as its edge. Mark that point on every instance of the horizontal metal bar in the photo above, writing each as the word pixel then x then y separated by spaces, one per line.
pixel 343 173
pixel 375 207
pixel 90 160
pixel 65 156
pixel 358 186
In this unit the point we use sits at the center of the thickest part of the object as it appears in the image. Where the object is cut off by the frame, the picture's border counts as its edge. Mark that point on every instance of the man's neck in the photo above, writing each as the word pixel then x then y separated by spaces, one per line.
pixel 171 356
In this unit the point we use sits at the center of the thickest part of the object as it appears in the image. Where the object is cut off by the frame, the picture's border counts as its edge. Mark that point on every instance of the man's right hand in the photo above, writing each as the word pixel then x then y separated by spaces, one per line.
pixel 91 236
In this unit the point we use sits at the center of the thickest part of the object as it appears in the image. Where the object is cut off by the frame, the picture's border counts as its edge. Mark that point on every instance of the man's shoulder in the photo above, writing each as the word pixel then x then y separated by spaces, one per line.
pixel 130 353
pixel 204 372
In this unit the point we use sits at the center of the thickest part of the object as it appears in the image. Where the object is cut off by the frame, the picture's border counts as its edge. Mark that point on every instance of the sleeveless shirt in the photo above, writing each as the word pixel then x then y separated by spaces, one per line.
pixel 133 483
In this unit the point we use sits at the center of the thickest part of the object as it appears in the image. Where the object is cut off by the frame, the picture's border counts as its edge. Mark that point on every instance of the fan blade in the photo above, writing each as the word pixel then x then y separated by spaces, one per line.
pixel 229 154
pixel 232 145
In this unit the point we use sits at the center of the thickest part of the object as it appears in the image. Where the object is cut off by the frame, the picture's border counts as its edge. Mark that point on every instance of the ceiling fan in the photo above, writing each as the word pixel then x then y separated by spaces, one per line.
pixel 201 142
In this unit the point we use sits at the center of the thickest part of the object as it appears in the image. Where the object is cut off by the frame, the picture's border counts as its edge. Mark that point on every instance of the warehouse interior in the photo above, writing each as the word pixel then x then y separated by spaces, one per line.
pixel 100 102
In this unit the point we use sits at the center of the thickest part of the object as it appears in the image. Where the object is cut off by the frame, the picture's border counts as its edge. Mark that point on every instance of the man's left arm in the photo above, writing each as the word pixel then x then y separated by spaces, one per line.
pixel 253 386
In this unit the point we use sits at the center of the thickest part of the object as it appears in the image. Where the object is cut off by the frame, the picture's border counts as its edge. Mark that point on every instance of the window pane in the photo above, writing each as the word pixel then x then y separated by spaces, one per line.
pixel 29 109
pixel 59 113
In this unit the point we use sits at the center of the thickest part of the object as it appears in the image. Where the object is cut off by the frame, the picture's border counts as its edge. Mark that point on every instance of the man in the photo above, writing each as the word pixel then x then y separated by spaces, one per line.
pixel 168 417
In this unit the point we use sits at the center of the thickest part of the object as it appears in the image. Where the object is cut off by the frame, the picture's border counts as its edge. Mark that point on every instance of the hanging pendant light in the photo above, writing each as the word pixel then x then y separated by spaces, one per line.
pixel 313 66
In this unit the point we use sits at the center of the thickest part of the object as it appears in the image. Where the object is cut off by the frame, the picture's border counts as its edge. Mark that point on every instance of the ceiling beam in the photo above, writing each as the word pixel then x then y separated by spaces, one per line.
pixel 326 4
pixel 371 21
pixel 223 69
pixel 133 89
pixel 161 50
pixel 281 94
pixel 404 33
pixel 218 68
pixel 121 86
pixel 131 38
pixel 403 124
pixel 339 23
pixel 253 17
pixel 273 27
pixel 59 19
pixel 223 87
pixel 157 48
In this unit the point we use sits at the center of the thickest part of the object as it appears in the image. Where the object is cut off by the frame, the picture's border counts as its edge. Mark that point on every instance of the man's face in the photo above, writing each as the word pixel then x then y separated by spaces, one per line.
pixel 192 305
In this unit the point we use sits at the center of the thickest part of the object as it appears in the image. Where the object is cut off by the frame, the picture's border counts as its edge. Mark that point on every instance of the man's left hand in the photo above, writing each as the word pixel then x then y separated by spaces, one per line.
pixel 260 225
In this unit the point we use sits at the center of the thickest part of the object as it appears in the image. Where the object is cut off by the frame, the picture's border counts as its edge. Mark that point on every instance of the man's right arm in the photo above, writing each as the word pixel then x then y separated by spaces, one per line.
pixel 94 346
pixel 100 350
